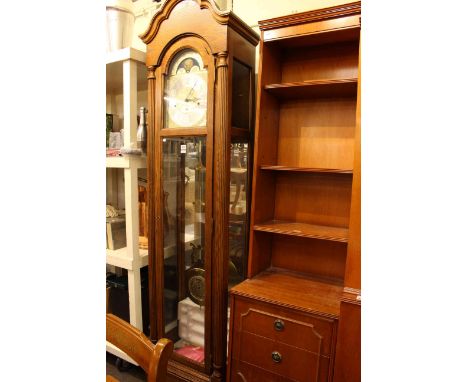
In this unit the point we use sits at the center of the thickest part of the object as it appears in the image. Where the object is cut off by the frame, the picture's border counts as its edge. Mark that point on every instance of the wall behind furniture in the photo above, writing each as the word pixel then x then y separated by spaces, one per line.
pixel 248 10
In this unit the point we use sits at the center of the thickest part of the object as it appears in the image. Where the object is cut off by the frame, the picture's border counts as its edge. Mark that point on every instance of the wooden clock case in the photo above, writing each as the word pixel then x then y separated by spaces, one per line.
pixel 221 39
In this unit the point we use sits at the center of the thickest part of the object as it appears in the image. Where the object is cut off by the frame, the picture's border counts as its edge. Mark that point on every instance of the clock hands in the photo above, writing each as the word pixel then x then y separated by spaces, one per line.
pixel 193 99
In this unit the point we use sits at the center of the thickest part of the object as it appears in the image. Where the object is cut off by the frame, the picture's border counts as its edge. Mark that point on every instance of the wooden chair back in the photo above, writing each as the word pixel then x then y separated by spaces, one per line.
pixel 152 358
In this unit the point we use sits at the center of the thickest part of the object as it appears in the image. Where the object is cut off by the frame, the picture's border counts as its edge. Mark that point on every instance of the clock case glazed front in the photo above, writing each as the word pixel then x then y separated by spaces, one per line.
pixel 209 144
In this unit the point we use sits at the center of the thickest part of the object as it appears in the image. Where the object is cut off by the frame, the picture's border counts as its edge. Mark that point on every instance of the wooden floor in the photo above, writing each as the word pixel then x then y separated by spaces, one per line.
pixel 134 374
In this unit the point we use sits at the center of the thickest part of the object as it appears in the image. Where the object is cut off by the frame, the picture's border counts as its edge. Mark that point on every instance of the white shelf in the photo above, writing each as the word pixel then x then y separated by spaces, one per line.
pixel 119 353
pixel 120 258
pixel 127 161
pixel 114 69
pixel 126 75
pixel 125 54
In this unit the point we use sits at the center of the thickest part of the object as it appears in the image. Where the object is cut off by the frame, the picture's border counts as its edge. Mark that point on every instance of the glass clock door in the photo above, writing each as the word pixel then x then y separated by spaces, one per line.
pixel 184 169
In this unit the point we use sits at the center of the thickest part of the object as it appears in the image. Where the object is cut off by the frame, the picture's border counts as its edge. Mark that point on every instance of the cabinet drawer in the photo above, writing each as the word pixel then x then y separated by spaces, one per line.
pixel 281 359
pixel 308 332
pixel 243 372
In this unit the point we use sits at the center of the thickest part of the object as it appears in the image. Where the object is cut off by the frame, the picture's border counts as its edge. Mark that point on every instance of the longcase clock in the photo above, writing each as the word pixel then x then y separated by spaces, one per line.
pixel 201 112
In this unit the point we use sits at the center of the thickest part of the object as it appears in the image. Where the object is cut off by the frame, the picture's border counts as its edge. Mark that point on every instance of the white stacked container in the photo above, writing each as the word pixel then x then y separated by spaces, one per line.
pixel 192 322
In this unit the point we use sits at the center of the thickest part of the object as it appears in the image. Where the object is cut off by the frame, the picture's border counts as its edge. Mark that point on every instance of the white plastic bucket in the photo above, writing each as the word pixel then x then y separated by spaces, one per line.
pixel 120 23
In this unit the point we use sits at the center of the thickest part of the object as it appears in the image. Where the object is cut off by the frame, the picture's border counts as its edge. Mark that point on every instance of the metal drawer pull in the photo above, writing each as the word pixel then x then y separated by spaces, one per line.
pixel 276 357
pixel 279 325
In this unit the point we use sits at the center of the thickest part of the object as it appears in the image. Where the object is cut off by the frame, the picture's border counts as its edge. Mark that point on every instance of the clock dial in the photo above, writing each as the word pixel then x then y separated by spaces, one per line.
pixel 185 93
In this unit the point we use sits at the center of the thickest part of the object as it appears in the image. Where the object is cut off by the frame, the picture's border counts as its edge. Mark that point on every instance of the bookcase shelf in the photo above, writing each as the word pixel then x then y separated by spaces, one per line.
pixel 312 231
pixel 307 169
pixel 314 88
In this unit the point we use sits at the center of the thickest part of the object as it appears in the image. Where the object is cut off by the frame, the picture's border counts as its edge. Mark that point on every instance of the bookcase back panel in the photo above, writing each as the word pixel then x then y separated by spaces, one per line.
pixel 323 62
pixel 317 133
pixel 313 198
pixel 317 257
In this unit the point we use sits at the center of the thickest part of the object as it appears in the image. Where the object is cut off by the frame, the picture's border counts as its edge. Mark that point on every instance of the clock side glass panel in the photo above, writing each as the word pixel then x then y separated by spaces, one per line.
pixel 239 191
pixel 186 91
pixel 241 95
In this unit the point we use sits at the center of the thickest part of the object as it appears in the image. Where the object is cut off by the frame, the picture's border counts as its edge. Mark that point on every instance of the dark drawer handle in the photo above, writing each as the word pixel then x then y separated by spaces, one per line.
pixel 279 325
pixel 276 357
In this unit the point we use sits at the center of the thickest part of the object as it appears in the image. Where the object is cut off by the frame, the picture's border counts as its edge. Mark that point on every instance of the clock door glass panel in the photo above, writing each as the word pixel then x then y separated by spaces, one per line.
pixel 186 91
pixel 184 169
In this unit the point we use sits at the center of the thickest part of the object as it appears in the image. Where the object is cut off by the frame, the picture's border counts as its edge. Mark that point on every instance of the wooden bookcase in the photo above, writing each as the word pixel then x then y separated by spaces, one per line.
pixel 304 188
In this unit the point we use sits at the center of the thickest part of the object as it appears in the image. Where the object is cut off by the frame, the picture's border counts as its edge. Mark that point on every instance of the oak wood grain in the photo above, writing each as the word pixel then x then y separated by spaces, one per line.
pixel 304 202
pixel 319 258
pixel 312 231
pixel 322 62
pixel 266 131
pixel 338 11
pixel 259 253
pixel 348 352
pixel 314 88
pixel 221 213
pixel 345 31
pixel 219 37
pixel 183 132
pixel 353 266
pixel 258 351
pixel 303 331
pixel 348 364
pixel 256 335
pixel 317 133
pixel 293 290
pixel 321 199
pixel 152 358
pixel 221 17
pixel 339 29
pixel 307 169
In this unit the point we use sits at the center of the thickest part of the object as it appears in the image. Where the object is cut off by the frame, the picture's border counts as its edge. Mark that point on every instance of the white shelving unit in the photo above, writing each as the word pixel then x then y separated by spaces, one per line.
pixel 125 76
